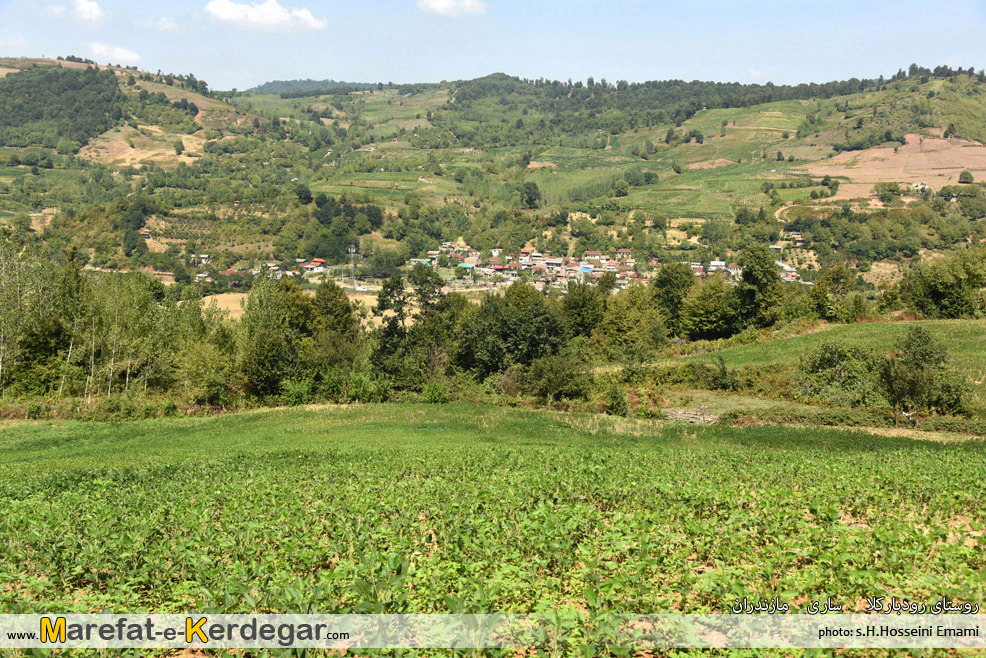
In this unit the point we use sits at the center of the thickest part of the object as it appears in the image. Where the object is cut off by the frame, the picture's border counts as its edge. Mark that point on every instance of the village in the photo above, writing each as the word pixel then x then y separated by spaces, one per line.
pixel 463 266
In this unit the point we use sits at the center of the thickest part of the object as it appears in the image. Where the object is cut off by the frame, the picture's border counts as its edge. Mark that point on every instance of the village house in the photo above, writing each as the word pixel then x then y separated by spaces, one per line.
pixel 317 266
pixel 788 273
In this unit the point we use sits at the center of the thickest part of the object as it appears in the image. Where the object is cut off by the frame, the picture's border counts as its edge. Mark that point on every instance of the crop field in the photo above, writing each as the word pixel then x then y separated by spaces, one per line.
pixel 403 508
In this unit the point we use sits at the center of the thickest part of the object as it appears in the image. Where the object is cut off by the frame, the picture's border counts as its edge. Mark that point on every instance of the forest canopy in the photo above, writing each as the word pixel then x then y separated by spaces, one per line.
pixel 41 106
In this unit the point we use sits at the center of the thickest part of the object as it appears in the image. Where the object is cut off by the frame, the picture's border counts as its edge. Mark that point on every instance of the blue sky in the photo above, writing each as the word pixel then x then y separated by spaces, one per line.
pixel 241 43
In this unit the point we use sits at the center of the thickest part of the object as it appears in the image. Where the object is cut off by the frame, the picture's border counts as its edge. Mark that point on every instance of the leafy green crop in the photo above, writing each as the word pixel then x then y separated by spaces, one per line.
pixel 467 509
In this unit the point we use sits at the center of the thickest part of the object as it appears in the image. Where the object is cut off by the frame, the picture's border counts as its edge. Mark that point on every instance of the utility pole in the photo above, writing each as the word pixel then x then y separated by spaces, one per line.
pixel 352 266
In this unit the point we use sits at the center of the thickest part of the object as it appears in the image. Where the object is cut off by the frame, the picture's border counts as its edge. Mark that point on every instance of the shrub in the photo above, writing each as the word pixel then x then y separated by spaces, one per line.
pixel 838 373
pixel 616 401
pixel 169 408
pixel 297 393
pixel 359 388
pixel 719 377
pixel 434 392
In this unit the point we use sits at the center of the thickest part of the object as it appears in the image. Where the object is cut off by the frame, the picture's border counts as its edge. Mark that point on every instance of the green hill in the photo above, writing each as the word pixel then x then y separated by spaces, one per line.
pixel 964 338
pixel 57 108
pixel 641 166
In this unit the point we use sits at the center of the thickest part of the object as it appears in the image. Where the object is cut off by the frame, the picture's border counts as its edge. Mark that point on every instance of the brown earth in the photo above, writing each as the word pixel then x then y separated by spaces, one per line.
pixel 40 220
pixel 711 164
pixel 541 165
pixel 923 159
pixel 232 303
pixel 883 272
pixel 113 147
pixel 155 246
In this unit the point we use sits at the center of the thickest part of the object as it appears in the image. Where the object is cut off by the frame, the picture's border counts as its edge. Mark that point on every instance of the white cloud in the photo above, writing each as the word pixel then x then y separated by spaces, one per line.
pixel 87 10
pixel 267 16
pixel 453 7
pixel 113 54
pixel 55 11
pixel 167 25
pixel 16 42
pixel 164 25
pixel 759 75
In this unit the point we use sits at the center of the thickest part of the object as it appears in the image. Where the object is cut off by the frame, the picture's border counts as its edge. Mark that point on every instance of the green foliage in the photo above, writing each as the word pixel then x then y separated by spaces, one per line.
pixel 266 355
pixel 710 310
pixel 583 306
pixel 616 400
pixel 632 318
pixel 719 377
pixel 567 375
pixel 44 105
pixel 830 290
pixel 514 329
pixel 671 285
pixel 916 377
pixel 298 392
pixel 947 287
pixel 839 373
pixel 530 194
pixel 304 194
pixel 758 291
pixel 434 392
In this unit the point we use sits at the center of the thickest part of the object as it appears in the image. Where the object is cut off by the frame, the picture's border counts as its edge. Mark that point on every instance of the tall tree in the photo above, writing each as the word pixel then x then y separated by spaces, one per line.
pixel 759 289
pixel 671 286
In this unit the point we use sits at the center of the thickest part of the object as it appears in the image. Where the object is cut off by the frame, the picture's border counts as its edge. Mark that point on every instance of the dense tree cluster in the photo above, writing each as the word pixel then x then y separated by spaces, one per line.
pixel 47 106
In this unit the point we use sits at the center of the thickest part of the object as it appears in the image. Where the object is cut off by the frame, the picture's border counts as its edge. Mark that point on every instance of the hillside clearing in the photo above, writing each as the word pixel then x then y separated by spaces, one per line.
pixel 932 160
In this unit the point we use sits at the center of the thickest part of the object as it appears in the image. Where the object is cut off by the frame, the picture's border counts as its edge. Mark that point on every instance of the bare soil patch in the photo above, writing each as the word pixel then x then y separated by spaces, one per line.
pixel 127 147
pixel 883 272
pixel 923 159
pixel 541 165
pixel 711 164
pixel 40 220
pixel 232 302
pixel 155 246
pixel 911 433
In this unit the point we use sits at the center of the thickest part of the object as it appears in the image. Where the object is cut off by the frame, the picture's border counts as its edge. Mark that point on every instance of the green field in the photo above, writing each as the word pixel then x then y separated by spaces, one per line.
pixel 445 509
pixel 964 339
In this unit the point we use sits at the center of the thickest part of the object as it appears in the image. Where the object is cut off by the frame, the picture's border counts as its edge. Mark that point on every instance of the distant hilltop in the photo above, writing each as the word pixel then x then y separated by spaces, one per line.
pixel 290 86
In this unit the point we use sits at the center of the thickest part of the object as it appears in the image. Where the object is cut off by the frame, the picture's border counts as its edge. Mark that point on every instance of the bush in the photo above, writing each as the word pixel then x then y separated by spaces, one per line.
pixel 560 376
pixel 359 388
pixel 299 392
pixel 169 408
pixel 616 401
pixel 434 392
pixel 719 377
pixel 838 373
